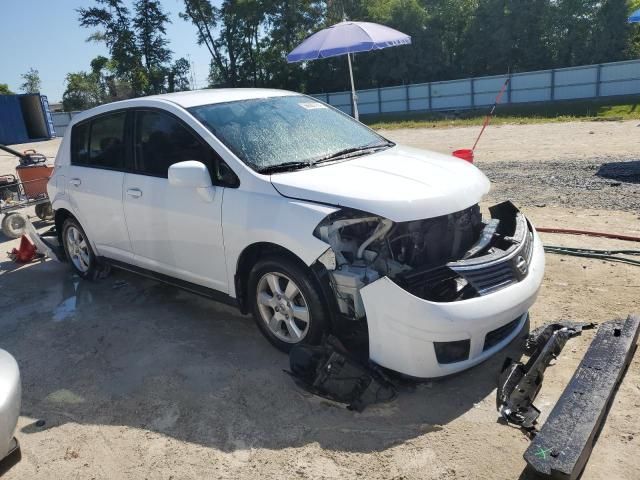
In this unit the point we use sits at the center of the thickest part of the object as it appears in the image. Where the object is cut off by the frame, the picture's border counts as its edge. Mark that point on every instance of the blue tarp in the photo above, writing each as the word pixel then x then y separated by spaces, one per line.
pixel 635 17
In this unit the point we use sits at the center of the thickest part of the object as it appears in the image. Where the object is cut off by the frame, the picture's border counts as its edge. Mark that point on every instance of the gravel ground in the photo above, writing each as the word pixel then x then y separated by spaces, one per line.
pixel 574 165
pixel 138 380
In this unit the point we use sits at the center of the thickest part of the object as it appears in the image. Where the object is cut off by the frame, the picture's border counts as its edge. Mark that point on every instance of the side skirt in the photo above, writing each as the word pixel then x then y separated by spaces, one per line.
pixel 211 293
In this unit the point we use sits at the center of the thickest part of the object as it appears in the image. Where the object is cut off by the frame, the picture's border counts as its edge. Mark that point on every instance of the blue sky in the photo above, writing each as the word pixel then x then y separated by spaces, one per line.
pixel 45 35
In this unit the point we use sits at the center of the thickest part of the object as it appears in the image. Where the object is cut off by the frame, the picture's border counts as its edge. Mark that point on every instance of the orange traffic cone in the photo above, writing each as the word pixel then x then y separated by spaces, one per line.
pixel 25 253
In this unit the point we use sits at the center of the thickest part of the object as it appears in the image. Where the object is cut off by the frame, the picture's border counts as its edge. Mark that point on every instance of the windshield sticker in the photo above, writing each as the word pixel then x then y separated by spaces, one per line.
pixel 312 105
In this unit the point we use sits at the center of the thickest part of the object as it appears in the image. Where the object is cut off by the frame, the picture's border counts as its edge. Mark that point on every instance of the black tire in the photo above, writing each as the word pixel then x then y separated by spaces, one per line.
pixel 92 270
pixel 14 225
pixel 318 323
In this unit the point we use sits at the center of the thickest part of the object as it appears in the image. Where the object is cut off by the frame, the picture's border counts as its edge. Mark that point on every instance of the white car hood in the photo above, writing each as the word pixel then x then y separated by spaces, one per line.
pixel 400 184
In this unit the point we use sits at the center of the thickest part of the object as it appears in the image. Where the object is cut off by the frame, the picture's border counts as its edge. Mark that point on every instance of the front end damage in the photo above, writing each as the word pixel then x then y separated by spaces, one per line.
pixel 439 295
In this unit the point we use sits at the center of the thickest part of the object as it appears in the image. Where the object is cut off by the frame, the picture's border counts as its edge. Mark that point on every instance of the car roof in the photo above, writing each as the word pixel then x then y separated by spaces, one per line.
pixel 219 95
pixel 187 99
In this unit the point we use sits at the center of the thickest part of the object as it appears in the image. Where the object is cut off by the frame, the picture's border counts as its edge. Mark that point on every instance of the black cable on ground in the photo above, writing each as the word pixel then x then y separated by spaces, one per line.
pixel 609 255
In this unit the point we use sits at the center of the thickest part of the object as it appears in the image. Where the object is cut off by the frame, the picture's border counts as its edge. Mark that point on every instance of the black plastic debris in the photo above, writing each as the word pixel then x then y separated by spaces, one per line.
pixel 330 372
pixel 519 384
pixel 562 447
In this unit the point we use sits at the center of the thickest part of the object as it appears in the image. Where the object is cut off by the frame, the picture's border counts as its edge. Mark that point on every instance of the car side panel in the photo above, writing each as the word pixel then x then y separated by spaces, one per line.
pixel 252 217
pixel 175 231
pixel 97 195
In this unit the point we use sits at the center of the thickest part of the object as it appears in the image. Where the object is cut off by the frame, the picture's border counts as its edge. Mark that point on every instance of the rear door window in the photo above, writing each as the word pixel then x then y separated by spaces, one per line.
pixel 161 140
pixel 107 142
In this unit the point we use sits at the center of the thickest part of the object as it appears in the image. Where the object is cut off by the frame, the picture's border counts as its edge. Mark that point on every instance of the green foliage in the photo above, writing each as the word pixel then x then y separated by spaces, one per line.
pixel 249 39
pixel 4 89
pixel 32 82
pixel 83 91
pixel 140 60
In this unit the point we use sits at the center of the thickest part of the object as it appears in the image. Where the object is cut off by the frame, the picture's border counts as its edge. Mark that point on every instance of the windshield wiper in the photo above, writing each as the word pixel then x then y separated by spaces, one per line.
pixel 348 152
pixel 284 167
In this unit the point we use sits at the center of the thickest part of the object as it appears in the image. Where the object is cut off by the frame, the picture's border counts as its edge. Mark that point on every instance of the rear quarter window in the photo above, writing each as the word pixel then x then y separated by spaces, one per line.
pixel 79 144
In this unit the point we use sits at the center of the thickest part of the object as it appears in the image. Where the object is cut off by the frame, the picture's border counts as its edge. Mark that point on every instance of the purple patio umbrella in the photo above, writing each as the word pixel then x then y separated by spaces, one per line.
pixel 347 38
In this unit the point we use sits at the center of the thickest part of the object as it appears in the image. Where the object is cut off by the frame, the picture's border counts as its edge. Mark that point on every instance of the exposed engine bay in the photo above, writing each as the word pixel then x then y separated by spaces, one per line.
pixel 444 259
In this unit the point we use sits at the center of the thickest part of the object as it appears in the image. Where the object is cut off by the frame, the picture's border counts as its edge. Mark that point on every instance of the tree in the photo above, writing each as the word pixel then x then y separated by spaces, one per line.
pixel 611 36
pixel 149 25
pixel 83 91
pixel 178 78
pixel 4 89
pixel 117 34
pixel 32 82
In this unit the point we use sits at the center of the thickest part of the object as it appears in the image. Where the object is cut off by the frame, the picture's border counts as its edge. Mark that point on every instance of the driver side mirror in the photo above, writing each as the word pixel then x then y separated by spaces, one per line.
pixel 192 174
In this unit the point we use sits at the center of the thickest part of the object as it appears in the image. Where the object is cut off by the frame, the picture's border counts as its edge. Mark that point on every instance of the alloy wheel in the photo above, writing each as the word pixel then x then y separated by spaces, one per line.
pixel 78 249
pixel 282 307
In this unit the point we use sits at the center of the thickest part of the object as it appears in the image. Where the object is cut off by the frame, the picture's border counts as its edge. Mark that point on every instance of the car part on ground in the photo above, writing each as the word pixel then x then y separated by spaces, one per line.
pixel 10 399
pixel 330 372
pixel 609 255
pixel 562 447
pixel 519 384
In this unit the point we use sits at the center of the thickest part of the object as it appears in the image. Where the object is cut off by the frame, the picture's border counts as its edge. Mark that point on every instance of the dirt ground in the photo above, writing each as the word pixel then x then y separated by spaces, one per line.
pixel 135 379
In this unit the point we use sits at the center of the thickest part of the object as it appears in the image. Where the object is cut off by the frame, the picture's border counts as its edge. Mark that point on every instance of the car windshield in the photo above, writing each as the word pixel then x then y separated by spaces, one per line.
pixel 271 134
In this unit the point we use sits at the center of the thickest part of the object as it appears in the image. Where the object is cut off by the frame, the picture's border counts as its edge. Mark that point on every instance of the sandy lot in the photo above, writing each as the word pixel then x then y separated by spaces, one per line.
pixel 135 379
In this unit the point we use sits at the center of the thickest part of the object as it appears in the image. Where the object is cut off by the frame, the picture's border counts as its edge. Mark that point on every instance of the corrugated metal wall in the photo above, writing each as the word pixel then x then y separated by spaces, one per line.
pixel 589 81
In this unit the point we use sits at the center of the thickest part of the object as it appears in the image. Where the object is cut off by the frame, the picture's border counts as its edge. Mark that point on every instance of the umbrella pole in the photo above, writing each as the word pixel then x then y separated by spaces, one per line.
pixel 354 97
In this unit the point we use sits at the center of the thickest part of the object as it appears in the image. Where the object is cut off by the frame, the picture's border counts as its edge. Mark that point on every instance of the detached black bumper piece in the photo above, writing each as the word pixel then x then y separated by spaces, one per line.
pixel 563 446
pixel 518 383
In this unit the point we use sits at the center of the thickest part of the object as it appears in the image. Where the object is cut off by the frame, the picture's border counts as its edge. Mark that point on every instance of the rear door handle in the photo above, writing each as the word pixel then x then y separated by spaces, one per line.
pixel 134 192
pixel 75 182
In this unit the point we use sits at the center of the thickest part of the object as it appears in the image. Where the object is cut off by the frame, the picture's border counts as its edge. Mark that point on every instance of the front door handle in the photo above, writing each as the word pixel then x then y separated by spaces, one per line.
pixel 134 192
pixel 75 182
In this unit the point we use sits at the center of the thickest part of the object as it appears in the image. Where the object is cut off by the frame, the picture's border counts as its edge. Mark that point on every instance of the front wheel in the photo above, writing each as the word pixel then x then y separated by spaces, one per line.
pixel 286 303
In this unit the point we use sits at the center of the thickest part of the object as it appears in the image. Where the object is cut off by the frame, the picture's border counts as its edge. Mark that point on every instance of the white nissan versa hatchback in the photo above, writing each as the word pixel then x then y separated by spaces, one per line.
pixel 295 212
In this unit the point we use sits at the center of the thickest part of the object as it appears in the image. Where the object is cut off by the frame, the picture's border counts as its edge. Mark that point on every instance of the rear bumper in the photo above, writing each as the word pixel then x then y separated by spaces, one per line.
pixel 403 327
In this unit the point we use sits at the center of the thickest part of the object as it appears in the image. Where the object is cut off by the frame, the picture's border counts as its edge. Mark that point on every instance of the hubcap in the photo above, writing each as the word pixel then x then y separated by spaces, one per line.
pixel 78 249
pixel 283 308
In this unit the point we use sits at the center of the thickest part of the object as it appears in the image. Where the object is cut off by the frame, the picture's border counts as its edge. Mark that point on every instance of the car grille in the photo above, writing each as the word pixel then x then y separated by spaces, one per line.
pixel 488 278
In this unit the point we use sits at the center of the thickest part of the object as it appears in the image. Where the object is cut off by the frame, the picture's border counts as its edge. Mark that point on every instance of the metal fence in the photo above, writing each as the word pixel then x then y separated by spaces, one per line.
pixel 61 120
pixel 584 82
pixel 589 81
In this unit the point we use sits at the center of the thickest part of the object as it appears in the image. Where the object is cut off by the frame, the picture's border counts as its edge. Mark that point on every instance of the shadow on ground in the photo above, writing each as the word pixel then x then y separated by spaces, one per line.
pixel 621 171
pixel 130 351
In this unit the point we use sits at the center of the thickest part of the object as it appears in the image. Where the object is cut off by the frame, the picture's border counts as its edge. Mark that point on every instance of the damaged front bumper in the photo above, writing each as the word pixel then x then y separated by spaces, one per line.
pixel 425 339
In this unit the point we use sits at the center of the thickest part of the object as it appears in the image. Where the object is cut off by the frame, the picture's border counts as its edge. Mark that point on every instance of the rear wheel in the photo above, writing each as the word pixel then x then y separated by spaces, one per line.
pixel 14 225
pixel 78 249
pixel 286 303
